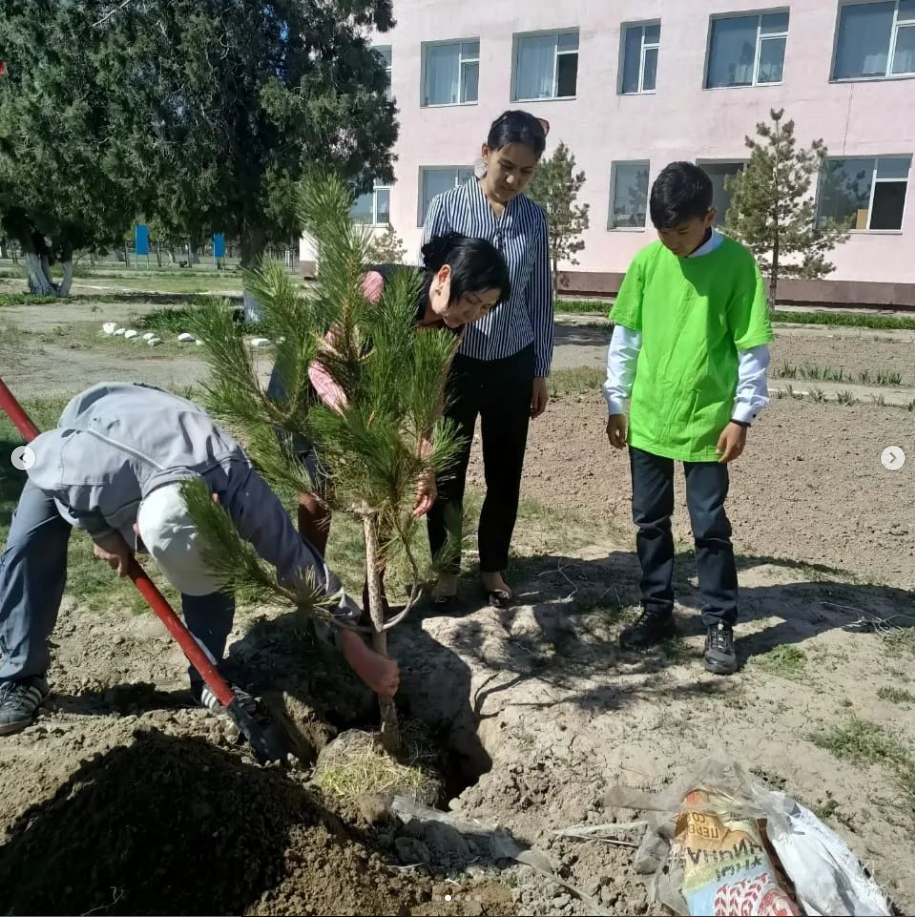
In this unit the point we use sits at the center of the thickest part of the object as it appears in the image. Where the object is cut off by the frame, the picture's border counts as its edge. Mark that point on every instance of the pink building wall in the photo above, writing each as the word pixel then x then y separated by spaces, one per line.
pixel 681 120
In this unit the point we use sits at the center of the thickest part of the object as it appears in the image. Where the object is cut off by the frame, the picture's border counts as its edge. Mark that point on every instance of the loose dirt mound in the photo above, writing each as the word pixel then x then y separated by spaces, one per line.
pixel 124 799
pixel 173 825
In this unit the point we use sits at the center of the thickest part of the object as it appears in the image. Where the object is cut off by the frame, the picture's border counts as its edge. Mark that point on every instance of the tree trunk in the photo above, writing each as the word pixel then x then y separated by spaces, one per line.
pixel 253 246
pixel 63 288
pixel 555 278
pixel 126 256
pixel 390 730
pixel 773 278
pixel 3 249
pixel 38 265
pixel 40 282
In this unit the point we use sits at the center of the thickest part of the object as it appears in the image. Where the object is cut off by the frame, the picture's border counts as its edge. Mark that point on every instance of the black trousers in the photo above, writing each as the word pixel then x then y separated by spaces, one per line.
pixel 499 393
pixel 652 507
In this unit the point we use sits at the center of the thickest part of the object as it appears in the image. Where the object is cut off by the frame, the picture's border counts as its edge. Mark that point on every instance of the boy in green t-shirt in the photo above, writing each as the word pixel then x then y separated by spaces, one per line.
pixel 690 348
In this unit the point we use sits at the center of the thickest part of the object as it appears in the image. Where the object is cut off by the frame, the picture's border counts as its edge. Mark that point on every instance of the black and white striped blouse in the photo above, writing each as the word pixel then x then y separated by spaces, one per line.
pixel 521 235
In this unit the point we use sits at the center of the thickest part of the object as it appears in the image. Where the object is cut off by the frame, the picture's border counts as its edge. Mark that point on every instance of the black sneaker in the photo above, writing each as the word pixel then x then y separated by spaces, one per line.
pixel 651 629
pixel 720 655
pixel 18 702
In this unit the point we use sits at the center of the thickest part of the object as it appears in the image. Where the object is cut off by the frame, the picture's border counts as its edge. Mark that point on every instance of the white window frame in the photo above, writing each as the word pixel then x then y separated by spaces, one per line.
pixel 875 166
pixel 891 52
pixel 420 214
pixel 389 69
pixel 461 61
pixel 614 172
pixel 646 46
pixel 374 193
pixel 760 38
pixel 516 97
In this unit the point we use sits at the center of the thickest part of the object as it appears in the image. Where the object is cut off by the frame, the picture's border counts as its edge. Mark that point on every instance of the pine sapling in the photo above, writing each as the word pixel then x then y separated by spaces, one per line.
pixel 384 432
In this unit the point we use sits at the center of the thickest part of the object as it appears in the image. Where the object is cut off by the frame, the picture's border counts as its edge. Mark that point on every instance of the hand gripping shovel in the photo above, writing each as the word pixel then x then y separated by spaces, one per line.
pixel 266 747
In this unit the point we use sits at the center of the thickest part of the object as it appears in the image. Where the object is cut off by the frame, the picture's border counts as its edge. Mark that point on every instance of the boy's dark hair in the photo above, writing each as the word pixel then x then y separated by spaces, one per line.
pixel 681 192
pixel 517 127
pixel 476 265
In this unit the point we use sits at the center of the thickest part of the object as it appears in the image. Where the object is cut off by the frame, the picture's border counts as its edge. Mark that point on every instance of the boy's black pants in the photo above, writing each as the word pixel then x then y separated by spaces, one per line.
pixel 652 508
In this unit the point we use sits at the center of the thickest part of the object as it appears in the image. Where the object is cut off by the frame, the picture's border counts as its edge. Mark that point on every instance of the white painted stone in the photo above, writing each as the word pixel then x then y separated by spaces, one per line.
pixel 120 331
pixel 149 335
pixel 186 338
pixel 154 342
pixel 131 334
pixel 260 342
pixel 110 327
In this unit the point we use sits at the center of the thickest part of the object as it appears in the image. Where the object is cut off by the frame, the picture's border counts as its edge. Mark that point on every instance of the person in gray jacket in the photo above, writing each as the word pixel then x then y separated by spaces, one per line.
pixel 114 467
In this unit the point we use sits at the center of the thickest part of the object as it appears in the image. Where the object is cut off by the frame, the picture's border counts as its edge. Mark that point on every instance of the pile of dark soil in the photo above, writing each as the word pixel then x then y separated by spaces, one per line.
pixel 175 826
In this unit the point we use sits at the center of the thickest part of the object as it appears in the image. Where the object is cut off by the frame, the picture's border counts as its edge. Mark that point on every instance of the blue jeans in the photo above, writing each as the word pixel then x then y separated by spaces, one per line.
pixel 652 507
pixel 33 574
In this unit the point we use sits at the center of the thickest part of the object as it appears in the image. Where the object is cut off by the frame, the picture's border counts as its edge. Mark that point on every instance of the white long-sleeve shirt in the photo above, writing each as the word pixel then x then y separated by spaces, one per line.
pixel 753 365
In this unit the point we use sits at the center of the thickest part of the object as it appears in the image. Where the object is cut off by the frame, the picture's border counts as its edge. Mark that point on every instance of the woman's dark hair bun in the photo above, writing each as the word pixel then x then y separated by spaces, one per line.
pixel 476 264
pixel 437 250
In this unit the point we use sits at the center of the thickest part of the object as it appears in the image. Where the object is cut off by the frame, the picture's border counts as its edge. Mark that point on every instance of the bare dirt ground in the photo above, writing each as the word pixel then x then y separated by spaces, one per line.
pixel 44 348
pixel 125 799
pixel 810 488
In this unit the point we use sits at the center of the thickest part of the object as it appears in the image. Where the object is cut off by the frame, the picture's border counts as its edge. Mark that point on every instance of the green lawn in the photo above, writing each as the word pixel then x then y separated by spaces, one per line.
pixel 584 306
pixel 846 320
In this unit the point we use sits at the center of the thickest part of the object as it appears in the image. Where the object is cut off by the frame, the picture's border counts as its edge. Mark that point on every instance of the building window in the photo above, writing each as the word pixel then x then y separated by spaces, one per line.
pixel 640 58
pixel 546 66
pixel 876 40
pixel 386 55
pixel 374 208
pixel 719 172
pixel 628 195
pixel 435 180
pixel 451 73
pixel 747 50
pixel 864 194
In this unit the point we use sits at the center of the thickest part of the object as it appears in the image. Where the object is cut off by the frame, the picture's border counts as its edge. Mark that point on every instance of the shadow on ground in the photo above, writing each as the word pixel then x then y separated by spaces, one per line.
pixel 564 631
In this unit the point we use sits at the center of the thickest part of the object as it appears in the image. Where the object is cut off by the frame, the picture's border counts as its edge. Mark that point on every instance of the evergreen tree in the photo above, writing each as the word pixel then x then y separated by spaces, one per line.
pixel 388 431
pixel 387 248
pixel 772 210
pixel 556 187
pixel 204 114
pixel 60 183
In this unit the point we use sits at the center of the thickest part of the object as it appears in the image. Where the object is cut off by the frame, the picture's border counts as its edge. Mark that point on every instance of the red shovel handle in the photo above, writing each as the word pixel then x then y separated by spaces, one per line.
pixel 13 410
pixel 148 590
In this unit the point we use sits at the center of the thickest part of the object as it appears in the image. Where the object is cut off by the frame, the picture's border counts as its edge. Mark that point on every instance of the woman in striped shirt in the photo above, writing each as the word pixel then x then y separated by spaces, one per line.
pixel 500 372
